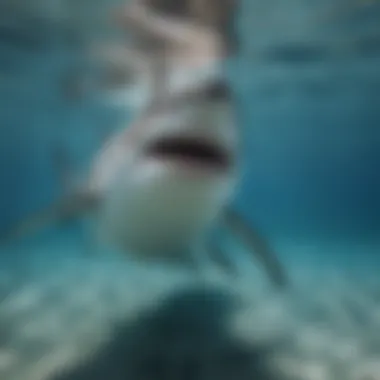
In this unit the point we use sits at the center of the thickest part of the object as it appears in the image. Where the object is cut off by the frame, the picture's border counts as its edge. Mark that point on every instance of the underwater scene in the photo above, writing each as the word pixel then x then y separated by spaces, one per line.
pixel 189 190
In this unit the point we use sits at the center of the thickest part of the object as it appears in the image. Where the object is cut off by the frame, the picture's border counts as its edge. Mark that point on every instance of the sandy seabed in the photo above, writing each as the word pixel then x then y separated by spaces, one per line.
pixel 58 308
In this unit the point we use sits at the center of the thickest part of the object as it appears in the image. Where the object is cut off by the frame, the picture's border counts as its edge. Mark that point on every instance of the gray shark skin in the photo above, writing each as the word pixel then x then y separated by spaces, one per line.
pixel 157 187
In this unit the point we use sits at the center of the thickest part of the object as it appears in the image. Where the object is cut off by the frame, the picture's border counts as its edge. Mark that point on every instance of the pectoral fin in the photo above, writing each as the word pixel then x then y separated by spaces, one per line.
pixel 219 257
pixel 63 210
pixel 259 247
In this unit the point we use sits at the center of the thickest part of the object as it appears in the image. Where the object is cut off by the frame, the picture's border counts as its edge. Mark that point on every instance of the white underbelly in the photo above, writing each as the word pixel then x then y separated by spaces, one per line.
pixel 162 216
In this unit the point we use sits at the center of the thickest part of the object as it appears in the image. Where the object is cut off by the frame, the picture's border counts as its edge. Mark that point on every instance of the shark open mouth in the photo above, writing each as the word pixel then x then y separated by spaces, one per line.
pixel 192 151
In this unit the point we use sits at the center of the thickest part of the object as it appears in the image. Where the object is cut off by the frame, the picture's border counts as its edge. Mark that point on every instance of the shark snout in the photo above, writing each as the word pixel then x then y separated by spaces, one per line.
pixel 191 142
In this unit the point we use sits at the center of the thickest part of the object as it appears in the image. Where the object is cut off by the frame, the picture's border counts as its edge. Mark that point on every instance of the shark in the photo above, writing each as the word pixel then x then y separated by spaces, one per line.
pixel 157 188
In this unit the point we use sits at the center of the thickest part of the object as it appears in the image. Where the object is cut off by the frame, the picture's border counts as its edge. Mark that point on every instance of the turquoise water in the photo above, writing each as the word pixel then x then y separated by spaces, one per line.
pixel 310 122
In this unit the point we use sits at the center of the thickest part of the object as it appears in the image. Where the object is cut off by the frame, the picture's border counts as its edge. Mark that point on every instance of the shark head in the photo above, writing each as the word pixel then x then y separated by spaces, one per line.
pixel 168 176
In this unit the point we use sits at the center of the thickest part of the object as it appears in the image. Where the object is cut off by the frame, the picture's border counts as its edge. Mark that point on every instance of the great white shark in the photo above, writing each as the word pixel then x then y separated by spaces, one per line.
pixel 156 188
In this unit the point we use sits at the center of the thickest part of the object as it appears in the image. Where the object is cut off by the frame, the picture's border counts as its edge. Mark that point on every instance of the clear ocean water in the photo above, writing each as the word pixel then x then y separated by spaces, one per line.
pixel 307 84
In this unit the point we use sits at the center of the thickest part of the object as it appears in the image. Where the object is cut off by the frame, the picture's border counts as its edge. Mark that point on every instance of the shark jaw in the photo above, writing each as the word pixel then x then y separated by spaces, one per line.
pixel 189 153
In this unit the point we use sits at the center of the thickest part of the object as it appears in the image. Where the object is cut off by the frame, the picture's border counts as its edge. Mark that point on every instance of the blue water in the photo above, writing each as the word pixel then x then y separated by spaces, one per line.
pixel 311 186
